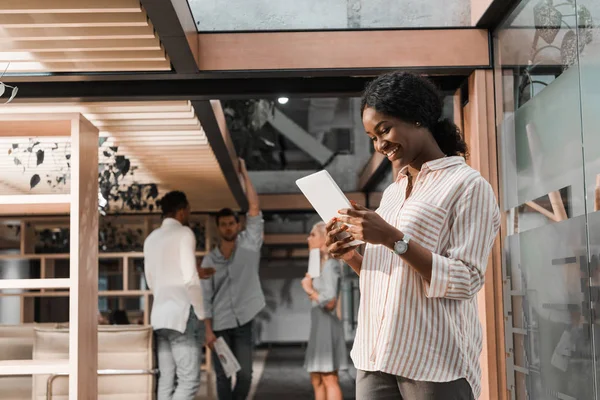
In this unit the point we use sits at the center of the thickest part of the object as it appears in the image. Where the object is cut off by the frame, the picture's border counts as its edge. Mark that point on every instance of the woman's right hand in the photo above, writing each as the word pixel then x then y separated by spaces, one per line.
pixel 339 248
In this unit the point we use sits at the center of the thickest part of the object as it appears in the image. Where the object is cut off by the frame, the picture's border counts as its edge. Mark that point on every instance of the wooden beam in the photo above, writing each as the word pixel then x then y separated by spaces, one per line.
pixel 176 28
pixel 480 135
pixel 69 6
pixel 83 56
pixel 82 45
pixel 79 20
pixel 85 33
pixel 478 8
pixel 493 12
pixel 222 147
pixel 91 66
pixel 384 49
pixel 83 295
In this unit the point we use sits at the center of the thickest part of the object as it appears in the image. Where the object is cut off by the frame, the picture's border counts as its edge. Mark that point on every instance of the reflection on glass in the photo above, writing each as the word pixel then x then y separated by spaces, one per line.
pixel 546 187
pixel 269 15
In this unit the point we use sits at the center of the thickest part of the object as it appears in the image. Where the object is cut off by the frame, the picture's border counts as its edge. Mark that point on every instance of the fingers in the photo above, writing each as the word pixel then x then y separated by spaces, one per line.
pixel 340 245
pixel 350 220
pixel 351 212
pixel 358 207
pixel 331 235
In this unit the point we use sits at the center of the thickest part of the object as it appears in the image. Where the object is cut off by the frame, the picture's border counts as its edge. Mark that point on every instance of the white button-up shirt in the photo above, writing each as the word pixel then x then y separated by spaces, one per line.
pixel 429 331
pixel 170 268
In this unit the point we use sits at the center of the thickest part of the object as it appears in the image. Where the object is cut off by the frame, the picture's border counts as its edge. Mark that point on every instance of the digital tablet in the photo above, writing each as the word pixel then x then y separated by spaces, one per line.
pixel 325 196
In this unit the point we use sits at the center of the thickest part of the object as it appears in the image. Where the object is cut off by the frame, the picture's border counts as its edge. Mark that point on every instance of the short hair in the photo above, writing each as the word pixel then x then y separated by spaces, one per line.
pixel 320 227
pixel 227 212
pixel 173 202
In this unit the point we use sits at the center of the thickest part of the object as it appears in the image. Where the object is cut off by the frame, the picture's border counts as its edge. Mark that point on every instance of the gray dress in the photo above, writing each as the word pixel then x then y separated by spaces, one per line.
pixel 326 350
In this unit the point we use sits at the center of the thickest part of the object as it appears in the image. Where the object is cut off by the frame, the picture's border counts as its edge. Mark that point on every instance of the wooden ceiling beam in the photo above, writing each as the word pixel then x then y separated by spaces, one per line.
pixel 69 6
pixel 79 20
pixel 85 33
pixel 99 107
pixel 83 56
pixel 81 45
pixel 89 66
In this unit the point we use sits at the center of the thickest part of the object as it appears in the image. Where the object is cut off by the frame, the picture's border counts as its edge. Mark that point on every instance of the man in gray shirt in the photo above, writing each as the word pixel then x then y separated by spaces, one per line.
pixel 233 295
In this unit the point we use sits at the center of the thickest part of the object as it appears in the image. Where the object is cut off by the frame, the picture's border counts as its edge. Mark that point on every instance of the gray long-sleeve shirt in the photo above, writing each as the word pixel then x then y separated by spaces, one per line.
pixel 233 295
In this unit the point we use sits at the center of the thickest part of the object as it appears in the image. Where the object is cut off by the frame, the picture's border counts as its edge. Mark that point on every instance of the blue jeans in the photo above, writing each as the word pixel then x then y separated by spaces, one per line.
pixel 239 341
pixel 179 361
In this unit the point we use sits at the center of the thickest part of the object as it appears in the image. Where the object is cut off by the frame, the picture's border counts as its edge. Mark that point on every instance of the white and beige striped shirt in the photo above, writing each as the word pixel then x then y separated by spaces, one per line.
pixel 407 326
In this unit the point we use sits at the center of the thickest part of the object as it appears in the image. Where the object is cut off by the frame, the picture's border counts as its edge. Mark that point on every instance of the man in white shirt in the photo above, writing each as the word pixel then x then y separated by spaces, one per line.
pixel 170 268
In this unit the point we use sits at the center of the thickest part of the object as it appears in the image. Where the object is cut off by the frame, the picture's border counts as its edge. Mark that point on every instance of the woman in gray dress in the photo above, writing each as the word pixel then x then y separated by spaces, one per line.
pixel 326 352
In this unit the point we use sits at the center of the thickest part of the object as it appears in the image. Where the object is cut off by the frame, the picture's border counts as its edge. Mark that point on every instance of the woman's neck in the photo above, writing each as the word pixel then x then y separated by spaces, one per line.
pixel 428 154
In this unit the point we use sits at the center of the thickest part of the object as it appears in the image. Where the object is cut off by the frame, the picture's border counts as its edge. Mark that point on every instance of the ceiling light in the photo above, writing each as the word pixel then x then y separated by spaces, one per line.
pixel 283 100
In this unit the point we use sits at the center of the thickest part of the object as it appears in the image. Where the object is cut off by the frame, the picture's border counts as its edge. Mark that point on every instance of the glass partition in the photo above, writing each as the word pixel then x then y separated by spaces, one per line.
pixel 268 15
pixel 546 59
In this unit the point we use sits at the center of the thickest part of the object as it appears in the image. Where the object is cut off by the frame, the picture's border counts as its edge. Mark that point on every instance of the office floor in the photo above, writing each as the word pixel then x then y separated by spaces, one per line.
pixel 284 377
pixel 279 373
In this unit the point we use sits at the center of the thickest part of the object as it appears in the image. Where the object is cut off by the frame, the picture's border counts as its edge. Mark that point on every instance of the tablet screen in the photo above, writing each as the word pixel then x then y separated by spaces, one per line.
pixel 324 195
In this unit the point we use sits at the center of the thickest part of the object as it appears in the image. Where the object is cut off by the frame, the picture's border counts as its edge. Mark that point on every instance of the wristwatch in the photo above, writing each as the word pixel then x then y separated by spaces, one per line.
pixel 401 246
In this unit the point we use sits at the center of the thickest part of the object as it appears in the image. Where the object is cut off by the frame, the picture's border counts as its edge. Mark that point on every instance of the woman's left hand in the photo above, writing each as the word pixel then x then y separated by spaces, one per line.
pixel 366 225
pixel 307 284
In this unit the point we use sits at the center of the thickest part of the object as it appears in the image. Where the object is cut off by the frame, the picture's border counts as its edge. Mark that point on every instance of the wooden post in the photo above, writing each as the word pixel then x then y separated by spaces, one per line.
pixel 480 135
pixel 83 322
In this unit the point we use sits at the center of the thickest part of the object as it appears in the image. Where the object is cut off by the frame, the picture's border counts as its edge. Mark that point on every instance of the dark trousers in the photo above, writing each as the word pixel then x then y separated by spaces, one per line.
pixel 239 341
pixel 382 386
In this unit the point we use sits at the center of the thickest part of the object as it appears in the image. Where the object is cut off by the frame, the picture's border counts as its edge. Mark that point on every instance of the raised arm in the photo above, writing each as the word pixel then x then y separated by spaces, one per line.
pixel 253 202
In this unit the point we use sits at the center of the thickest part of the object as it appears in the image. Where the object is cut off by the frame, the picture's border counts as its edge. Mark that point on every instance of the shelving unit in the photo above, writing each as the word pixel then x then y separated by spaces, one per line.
pixel 47 281
pixel 81 205
pixel 49 286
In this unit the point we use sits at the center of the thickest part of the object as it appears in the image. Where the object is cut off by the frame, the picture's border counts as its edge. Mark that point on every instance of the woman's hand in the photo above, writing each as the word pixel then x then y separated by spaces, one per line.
pixel 366 225
pixel 307 284
pixel 338 248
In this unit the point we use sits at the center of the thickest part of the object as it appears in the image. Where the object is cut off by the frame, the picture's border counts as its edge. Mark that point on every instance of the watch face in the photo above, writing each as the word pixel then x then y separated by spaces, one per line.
pixel 400 247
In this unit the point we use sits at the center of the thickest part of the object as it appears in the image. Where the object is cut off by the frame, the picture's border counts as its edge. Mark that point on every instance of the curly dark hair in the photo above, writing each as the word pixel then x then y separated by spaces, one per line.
pixel 413 99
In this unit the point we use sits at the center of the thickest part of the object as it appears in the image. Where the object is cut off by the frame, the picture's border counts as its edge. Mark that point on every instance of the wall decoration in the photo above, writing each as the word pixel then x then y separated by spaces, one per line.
pixel 115 195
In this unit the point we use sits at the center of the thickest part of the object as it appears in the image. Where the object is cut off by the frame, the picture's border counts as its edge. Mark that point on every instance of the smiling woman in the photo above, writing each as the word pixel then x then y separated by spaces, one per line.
pixel 419 336
pixel 402 113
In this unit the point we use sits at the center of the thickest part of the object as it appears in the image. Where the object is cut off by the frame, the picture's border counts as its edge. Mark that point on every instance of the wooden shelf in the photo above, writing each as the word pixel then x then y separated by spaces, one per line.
pixel 49 283
pixel 35 204
pixel 33 367
pixel 27 199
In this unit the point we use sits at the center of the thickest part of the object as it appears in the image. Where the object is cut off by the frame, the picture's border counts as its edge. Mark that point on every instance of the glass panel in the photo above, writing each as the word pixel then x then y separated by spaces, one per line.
pixel 543 195
pixel 588 35
pixel 268 15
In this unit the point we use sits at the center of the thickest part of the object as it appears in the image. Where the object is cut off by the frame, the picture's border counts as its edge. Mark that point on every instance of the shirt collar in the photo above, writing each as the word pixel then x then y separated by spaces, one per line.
pixel 170 221
pixel 434 165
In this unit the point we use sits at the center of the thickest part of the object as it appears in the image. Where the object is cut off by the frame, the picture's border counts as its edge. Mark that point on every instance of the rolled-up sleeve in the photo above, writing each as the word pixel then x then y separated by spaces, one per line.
pixel 459 273
pixel 254 233
pixel 330 279
pixel 207 288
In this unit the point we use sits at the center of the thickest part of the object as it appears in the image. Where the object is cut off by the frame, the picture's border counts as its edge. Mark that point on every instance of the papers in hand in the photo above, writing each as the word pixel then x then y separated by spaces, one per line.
pixel 229 363
pixel 314 263
pixel 326 197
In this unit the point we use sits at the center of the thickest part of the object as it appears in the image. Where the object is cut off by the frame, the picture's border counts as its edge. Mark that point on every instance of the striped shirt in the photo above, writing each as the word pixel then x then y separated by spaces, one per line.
pixel 429 331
